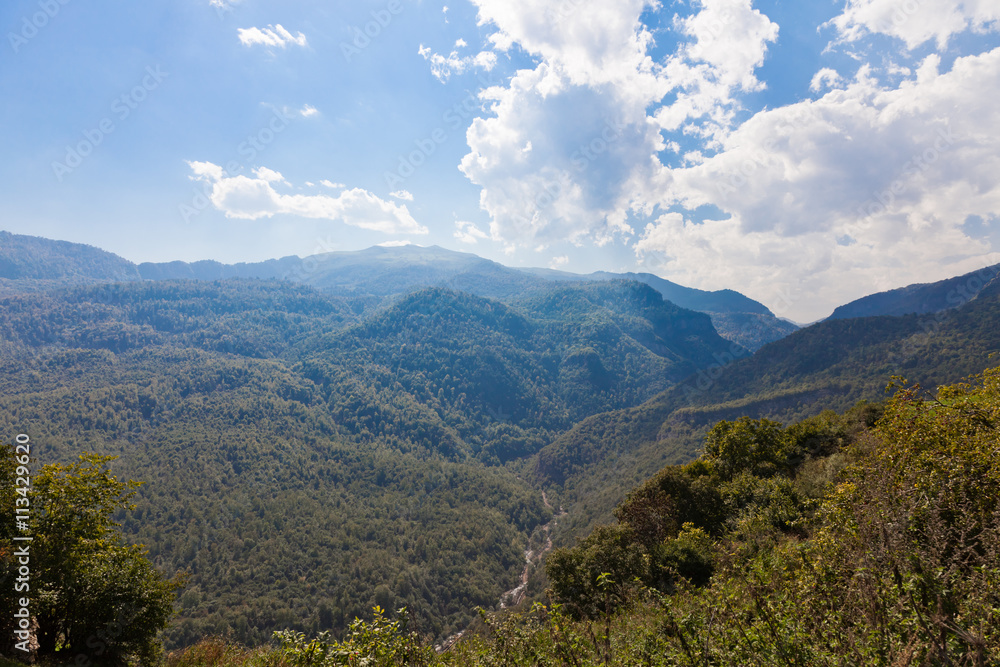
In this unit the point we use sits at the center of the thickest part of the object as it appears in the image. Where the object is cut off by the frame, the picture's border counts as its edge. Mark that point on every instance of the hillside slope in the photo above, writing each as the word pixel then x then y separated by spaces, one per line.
pixel 830 365
pixel 921 298
pixel 304 461
pixel 30 258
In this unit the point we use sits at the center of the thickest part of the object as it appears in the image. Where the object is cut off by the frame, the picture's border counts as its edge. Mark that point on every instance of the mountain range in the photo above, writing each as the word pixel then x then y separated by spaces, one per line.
pixel 396 426
pixel 379 272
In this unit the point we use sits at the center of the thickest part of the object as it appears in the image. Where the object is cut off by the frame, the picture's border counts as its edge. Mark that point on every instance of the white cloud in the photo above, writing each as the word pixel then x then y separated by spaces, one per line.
pixel 584 109
pixel 308 110
pixel 442 67
pixel 468 232
pixel 248 198
pixel 269 175
pixel 825 78
pixel 460 43
pixel 815 203
pixel 272 35
pixel 916 21
pixel 332 185
pixel 402 194
pixel 559 261
pixel 863 189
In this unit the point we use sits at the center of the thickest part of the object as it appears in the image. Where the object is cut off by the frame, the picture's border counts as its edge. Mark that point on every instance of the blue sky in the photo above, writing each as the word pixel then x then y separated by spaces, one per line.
pixel 803 153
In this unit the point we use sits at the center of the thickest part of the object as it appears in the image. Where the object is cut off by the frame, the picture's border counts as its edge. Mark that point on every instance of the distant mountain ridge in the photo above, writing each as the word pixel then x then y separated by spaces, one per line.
pixel 383 272
pixel 920 298
pixel 720 301
pixel 829 365
pixel 35 258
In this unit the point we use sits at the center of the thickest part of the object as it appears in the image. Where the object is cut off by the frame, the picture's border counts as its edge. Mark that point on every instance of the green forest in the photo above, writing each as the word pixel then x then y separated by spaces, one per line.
pixel 393 442
pixel 869 537
pixel 255 472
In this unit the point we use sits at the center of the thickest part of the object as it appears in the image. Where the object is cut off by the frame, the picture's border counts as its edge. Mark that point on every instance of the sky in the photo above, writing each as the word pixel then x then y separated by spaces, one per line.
pixel 804 153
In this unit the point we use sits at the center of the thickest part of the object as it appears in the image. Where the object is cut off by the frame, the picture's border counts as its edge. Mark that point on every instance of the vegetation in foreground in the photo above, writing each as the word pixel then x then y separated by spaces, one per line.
pixel 871 538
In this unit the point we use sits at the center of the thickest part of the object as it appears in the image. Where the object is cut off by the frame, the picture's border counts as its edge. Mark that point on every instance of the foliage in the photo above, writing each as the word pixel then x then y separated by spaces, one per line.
pixel 829 365
pixel 379 642
pixel 898 564
pixel 394 445
pixel 91 595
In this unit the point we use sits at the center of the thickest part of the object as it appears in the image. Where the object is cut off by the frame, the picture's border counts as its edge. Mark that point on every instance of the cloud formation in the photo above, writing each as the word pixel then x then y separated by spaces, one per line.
pixel 863 189
pixel 915 21
pixel 272 35
pixel 442 67
pixel 571 145
pixel 246 198
pixel 890 176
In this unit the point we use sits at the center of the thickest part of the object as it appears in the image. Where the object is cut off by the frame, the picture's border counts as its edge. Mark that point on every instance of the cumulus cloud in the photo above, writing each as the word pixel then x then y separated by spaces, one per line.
pixel 863 189
pixel 331 184
pixel 825 78
pixel 272 35
pixel 729 41
pixel 915 21
pixel 583 110
pixel 405 195
pixel 871 185
pixel 246 198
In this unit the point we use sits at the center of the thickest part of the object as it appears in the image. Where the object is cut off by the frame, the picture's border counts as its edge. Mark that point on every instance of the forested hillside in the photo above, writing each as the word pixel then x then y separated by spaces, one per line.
pixel 832 365
pixel 921 298
pixel 29 263
pixel 865 538
pixel 307 456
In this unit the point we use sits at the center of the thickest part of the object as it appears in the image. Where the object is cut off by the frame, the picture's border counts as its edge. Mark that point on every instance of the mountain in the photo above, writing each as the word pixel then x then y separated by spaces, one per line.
pixel 921 298
pixel 829 365
pixel 211 270
pixel 721 301
pixel 736 317
pixel 33 258
pixel 377 272
pixel 306 456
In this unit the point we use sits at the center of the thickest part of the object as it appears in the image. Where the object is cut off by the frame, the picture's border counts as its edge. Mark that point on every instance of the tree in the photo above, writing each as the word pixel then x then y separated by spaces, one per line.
pixel 92 595
pixel 757 446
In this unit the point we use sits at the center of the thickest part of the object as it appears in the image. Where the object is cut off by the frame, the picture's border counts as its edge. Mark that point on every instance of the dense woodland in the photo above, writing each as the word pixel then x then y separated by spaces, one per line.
pixel 306 456
pixel 386 440
pixel 871 537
